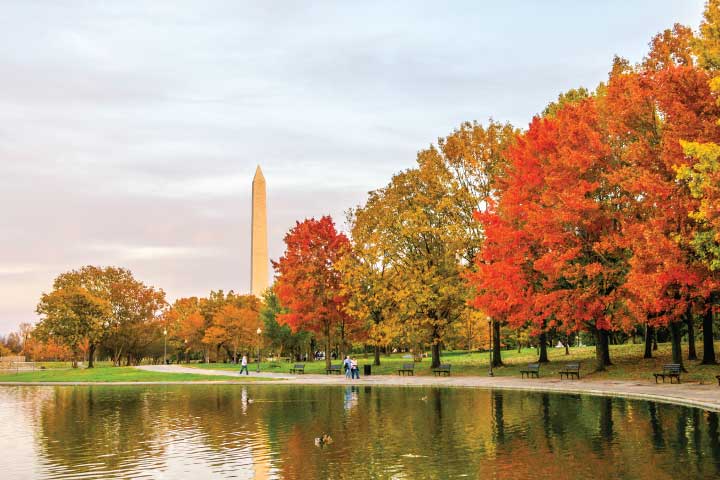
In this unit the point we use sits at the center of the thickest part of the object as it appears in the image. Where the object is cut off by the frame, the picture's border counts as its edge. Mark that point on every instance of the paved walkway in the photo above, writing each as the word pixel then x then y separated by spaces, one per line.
pixel 692 394
pixel 206 371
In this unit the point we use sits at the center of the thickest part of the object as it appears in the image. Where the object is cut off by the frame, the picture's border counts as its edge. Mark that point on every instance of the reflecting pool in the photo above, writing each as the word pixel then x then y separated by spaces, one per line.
pixel 269 431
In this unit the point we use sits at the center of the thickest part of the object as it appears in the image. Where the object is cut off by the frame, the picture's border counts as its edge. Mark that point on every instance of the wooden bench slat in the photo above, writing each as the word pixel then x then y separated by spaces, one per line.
pixel 407 368
pixel 672 370
pixel 532 369
pixel 334 369
pixel 570 370
pixel 298 368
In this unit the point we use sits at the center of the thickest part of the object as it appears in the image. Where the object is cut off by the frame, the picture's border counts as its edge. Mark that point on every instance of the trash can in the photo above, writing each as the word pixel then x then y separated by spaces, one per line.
pixel 367 369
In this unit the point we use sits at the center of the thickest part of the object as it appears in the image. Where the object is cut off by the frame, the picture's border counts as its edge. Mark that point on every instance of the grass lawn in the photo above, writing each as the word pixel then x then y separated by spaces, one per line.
pixel 109 374
pixel 627 359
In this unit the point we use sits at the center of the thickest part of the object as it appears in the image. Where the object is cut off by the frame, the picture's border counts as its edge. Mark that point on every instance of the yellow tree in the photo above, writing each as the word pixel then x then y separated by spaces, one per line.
pixel 417 235
pixel 368 279
pixel 424 230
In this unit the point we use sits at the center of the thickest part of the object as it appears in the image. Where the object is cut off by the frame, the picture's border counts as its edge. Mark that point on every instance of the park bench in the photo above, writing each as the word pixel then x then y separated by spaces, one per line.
pixel 443 369
pixel 298 368
pixel 570 370
pixel 671 370
pixel 336 369
pixel 407 368
pixel 530 370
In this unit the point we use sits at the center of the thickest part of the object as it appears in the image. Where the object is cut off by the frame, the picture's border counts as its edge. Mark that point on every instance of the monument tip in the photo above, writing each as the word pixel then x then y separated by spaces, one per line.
pixel 258 173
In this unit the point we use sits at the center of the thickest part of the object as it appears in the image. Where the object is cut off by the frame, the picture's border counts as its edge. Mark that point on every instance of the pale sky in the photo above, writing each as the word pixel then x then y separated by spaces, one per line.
pixel 130 130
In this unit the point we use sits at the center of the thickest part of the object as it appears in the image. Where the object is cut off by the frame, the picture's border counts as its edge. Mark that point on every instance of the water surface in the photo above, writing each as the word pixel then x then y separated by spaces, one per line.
pixel 268 431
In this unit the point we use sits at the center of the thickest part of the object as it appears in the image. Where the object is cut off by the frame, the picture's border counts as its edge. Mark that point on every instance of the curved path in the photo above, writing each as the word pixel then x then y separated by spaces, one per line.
pixel 691 394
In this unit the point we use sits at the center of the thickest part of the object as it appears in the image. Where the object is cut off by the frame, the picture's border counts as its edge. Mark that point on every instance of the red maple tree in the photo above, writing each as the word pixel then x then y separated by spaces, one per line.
pixel 308 282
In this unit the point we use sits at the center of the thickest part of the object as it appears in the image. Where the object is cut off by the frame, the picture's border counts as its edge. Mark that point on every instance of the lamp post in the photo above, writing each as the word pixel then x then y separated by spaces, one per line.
pixel 259 331
pixel 164 346
pixel 490 372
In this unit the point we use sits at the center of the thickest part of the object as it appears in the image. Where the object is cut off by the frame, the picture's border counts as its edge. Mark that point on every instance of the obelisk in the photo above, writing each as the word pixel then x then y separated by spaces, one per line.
pixel 259 260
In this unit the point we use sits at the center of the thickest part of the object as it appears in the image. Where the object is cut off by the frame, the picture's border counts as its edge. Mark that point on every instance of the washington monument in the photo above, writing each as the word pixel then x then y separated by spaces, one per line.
pixel 259 260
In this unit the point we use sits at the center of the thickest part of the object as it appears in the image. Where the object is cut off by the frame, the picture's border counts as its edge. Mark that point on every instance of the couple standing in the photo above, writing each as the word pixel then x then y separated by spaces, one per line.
pixel 351 368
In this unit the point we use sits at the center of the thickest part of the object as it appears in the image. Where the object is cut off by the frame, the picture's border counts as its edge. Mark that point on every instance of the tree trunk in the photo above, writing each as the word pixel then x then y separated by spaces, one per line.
pixel 676 337
pixel 602 350
pixel 497 349
pixel 518 342
pixel 542 343
pixel 91 355
pixel 435 363
pixel 649 335
pixel 117 357
pixel 708 340
pixel 689 321
pixel 655 346
pixel 567 345
pixel 376 361
pixel 328 347
pixel 342 342
pixel 606 349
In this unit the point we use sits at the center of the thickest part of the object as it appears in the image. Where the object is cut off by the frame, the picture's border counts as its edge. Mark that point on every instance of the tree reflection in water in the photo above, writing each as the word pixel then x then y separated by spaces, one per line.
pixel 268 432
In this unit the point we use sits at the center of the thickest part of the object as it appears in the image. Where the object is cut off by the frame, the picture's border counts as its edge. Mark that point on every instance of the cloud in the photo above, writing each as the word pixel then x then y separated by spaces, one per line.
pixel 153 252
pixel 18 270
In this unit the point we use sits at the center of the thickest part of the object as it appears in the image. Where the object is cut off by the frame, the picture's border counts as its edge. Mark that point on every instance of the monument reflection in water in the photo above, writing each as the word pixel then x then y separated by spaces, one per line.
pixel 268 432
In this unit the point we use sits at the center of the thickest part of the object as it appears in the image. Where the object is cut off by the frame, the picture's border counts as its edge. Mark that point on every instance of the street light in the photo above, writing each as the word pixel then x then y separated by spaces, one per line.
pixel 164 346
pixel 490 372
pixel 259 331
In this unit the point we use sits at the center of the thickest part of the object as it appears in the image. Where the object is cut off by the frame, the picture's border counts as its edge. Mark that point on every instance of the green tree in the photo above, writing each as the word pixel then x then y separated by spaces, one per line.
pixel 72 315
pixel 280 337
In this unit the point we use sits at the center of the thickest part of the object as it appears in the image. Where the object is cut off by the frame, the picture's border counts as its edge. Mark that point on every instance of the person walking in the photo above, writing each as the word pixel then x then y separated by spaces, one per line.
pixel 243 365
pixel 354 371
pixel 347 365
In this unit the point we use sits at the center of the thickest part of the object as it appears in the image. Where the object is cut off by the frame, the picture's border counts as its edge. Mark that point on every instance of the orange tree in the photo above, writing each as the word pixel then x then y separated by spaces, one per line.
pixel 702 176
pixel 555 263
pixel 649 109
pixel 185 326
pixel 308 281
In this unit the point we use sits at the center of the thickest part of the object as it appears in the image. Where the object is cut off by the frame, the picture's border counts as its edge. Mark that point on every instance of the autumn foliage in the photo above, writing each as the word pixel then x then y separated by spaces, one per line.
pixel 592 230
pixel 601 218
pixel 308 281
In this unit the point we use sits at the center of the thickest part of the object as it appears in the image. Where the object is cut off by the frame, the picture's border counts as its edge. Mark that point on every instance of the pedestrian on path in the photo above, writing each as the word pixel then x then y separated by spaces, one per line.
pixel 243 365
pixel 347 365
pixel 354 371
